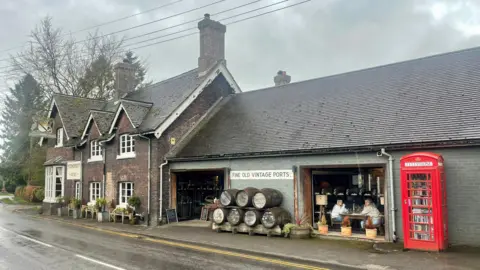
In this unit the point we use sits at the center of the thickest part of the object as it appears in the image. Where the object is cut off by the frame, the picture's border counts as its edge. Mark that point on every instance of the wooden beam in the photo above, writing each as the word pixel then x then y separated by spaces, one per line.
pixel 173 190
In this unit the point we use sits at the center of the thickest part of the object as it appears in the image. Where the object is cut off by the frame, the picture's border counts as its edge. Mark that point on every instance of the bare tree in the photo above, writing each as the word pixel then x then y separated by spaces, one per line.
pixel 63 65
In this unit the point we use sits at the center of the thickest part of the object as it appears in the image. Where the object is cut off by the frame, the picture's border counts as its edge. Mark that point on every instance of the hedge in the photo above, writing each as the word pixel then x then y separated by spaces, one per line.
pixel 29 193
pixel 39 194
pixel 19 191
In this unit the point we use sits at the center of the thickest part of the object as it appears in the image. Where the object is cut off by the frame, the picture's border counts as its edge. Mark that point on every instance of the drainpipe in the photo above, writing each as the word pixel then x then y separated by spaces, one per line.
pixel 149 180
pixel 161 189
pixel 390 180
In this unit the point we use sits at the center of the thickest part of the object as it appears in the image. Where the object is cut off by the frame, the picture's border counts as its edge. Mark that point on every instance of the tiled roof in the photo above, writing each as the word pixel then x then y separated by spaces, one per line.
pixel 75 111
pixel 136 111
pixel 55 161
pixel 103 120
pixel 424 100
pixel 165 97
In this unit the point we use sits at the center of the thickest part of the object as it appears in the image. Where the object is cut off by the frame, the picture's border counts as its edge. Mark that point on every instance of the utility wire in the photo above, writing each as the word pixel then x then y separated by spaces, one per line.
pixel 105 23
pixel 140 25
pixel 230 23
pixel 177 25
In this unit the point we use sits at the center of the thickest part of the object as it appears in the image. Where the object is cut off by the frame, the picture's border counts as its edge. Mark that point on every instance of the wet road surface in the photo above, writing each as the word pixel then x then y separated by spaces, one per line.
pixel 27 243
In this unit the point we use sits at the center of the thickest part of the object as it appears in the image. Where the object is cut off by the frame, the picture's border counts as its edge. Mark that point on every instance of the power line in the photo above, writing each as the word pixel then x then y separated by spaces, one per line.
pixel 230 23
pixel 141 25
pixel 106 23
pixel 177 25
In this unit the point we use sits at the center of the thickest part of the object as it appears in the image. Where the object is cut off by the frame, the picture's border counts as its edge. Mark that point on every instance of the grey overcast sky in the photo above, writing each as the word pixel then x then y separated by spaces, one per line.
pixel 318 38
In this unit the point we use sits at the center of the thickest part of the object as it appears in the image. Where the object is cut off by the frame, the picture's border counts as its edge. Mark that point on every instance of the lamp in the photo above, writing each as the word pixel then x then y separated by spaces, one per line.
pixel 320 199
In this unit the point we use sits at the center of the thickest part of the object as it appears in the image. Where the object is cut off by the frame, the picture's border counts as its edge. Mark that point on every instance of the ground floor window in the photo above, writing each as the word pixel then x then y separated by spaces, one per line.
pixel 77 190
pixel 125 192
pixel 94 191
pixel 54 180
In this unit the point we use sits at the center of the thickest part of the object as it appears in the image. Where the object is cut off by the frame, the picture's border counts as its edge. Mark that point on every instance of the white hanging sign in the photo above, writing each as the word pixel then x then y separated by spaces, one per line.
pixel 262 175
pixel 74 170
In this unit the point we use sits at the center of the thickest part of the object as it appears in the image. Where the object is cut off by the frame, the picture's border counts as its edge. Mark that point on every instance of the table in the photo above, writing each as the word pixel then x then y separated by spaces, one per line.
pixel 355 216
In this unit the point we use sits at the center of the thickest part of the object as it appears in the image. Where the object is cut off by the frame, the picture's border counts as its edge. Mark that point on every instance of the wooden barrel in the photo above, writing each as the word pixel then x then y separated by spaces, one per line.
pixel 236 216
pixel 244 197
pixel 252 218
pixel 227 198
pixel 220 215
pixel 276 216
pixel 267 198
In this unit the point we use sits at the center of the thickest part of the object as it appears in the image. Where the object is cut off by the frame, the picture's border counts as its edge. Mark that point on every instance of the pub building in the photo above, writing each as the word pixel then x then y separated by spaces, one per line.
pixel 345 136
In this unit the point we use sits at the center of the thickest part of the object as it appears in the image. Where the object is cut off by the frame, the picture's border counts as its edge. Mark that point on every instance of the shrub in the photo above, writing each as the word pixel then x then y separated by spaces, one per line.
pixel 10 187
pixel 19 191
pixel 134 201
pixel 100 203
pixel 75 203
pixel 39 194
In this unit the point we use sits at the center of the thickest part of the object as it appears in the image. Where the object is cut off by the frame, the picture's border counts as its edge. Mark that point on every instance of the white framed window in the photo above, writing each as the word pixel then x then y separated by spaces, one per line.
pixel 77 190
pixel 59 142
pixel 95 151
pixel 126 146
pixel 125 191
pixel 54 179
pixel 95 189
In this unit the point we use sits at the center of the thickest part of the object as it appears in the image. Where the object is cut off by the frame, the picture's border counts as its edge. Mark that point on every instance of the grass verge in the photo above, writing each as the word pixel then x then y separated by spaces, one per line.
pixel 16 200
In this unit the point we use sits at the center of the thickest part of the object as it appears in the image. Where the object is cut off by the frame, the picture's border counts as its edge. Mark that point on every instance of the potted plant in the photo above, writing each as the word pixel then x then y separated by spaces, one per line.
pixel 75 204
pixel 134 205
pixel 300 230
pixel 346 229
pixel 102 214
pixel 370 229
pixel 60 201
pixel 322 225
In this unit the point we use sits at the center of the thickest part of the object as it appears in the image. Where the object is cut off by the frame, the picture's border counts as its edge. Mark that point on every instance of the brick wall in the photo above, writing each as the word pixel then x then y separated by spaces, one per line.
pixel 218 88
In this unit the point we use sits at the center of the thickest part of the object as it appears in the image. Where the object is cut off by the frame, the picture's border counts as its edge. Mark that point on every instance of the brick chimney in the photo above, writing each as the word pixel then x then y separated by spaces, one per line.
pixel 282 78
pixel 212 44
pixel 124 79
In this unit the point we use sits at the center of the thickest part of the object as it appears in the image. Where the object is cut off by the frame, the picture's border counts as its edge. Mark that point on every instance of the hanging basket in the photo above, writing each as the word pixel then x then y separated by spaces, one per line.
pixel 321 199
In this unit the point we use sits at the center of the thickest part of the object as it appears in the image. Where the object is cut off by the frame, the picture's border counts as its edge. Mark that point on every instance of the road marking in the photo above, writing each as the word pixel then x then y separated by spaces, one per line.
pixel 25 237
pixel 195 247
pixel 99 262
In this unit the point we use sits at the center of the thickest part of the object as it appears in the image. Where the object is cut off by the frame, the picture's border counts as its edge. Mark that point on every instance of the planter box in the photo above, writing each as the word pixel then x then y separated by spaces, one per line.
pixel 346 231
pixel 103 216
pixel 300 233
pixel 371 233
pixel 323 229
pixel 77 213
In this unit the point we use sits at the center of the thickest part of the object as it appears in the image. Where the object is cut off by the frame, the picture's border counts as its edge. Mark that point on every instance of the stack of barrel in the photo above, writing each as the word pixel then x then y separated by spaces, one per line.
pixel 253 207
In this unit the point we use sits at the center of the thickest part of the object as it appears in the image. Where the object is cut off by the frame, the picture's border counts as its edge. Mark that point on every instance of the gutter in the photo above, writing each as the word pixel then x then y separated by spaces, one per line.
pixel 337 150
pixel 390 183
pixel 149 177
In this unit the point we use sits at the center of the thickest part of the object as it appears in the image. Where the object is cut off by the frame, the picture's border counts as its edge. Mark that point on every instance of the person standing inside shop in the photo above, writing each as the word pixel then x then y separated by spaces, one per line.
pixel 370 210
pixel 337 210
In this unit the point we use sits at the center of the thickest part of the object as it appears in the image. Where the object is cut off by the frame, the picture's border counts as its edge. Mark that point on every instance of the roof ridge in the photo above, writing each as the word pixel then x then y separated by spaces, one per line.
pixel 364 69
pixel 73 96
pixel 136 101
pixel 171 78
pixel 100 111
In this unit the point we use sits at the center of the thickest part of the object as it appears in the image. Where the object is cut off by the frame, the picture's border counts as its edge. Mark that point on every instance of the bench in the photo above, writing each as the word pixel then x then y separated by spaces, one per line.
pixel 120 211
pixel 90 208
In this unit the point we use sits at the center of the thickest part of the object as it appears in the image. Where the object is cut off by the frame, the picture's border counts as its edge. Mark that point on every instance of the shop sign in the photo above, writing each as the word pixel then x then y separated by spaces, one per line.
pixel 419 164
pixel 262 175
pixel 74 170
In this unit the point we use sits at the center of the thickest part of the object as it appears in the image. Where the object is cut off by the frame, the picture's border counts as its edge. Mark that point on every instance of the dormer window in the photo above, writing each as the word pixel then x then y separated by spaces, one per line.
pixel 59 137
pixel 126 146
pixel 95 151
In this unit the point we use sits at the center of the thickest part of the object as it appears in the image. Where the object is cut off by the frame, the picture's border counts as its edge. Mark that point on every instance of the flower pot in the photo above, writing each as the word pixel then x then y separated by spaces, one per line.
pixel 77 213
pixel 323 229
pixel 300 233
pixel 346 231
pixel 371 233
pixel 102 216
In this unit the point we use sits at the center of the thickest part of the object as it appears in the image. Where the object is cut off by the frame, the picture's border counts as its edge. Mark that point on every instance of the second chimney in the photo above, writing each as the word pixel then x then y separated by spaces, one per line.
pixel 212 44
pixel 124 79
pixel 282 78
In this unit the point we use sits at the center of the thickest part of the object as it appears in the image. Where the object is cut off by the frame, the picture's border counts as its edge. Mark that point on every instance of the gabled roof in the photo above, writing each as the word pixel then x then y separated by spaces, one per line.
pixel 74 111
pixel 432 99
pixel 101 119
pixel 135 111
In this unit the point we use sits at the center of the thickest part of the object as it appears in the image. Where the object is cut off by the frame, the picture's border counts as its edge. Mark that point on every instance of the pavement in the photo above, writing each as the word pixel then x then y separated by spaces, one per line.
pixel 330 254
pixel 33 243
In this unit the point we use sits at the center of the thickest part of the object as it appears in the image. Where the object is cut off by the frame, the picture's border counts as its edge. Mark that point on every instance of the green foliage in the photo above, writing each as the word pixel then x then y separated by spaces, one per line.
pixel 140 69
pixel 40 194
pixel 100 203
pixel 19 191
pixel 75 203
pixel 21 161
pixel 134 201
pixel 288 227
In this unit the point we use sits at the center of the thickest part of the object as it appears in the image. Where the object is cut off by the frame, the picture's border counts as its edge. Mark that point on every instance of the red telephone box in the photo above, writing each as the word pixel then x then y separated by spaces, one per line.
pixel 424 202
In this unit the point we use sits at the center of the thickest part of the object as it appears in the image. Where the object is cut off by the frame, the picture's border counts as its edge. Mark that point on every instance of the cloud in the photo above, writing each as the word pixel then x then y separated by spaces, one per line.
pixel 315 39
